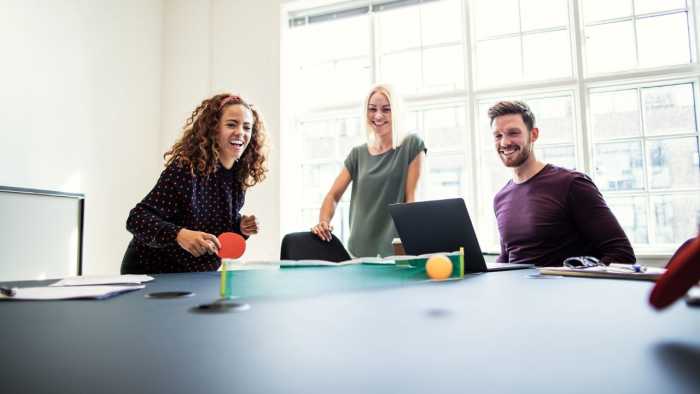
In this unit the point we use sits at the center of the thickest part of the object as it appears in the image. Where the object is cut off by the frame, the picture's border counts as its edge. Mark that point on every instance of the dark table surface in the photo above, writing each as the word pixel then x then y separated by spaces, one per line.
pixel 357 329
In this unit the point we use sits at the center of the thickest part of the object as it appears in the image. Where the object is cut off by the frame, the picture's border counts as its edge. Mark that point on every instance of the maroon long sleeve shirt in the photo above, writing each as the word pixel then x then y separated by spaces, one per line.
pixel 558 213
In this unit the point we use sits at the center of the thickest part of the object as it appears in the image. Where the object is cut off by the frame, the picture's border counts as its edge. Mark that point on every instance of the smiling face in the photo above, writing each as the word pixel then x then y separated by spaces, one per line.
pixel 379 114
pixel 514 143
pixel 233 133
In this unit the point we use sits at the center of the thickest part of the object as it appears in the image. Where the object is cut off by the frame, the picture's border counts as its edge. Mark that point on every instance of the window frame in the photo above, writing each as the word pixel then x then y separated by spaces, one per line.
pixel 578 86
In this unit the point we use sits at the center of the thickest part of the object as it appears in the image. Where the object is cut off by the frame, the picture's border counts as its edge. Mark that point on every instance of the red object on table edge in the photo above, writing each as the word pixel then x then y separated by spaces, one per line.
pixel 683 271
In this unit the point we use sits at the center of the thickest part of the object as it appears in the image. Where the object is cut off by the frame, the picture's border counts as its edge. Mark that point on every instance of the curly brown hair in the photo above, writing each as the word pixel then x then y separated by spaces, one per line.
pixel 198 148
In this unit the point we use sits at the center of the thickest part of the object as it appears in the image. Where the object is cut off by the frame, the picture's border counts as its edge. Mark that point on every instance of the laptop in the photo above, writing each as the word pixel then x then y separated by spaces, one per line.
pixel 442 226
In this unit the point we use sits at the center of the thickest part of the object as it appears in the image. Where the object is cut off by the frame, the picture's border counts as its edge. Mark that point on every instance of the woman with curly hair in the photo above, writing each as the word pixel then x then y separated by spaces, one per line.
pixel 199 195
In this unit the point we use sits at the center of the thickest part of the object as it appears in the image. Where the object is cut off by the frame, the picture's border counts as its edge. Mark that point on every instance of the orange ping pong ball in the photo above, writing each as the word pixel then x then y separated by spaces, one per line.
pixel 438 267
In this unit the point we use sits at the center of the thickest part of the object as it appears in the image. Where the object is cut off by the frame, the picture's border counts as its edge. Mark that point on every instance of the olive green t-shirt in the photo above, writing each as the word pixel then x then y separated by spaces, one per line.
pixel 377 181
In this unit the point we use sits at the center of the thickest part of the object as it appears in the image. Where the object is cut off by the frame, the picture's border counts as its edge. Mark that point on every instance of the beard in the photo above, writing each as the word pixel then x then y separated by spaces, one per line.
pixel 523 153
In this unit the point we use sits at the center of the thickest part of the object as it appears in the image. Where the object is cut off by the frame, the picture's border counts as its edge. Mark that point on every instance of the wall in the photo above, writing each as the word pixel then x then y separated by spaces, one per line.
pixel 186 64
pixel 79 108
pixel 94 92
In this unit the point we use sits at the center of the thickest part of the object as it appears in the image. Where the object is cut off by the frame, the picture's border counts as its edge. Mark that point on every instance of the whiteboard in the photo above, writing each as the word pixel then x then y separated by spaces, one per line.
pixel 41 234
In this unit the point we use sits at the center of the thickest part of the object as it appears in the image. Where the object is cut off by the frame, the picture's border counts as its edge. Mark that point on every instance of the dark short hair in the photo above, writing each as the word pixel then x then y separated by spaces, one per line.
pixel 513 107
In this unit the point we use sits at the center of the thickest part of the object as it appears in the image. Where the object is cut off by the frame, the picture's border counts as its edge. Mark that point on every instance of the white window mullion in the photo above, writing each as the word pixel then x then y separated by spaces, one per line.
pixel 471 157
pixel 582 104
pixel 636 38
pixel 522 41
pixel 694 31
pixel 373 46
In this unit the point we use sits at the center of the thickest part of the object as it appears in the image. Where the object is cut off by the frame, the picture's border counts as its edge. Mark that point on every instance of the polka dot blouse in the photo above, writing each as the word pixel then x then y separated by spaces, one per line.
pixel 179 199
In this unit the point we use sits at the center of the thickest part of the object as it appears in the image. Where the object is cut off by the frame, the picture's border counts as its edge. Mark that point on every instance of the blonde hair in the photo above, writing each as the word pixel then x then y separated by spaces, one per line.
pixel 396 105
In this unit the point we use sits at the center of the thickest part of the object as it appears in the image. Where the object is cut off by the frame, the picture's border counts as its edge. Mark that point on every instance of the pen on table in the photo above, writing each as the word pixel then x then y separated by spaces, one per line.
pixel 636 267
pixel 8 291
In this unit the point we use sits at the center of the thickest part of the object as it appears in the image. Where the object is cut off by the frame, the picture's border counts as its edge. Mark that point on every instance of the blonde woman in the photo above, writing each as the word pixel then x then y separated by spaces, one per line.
pixel 383 171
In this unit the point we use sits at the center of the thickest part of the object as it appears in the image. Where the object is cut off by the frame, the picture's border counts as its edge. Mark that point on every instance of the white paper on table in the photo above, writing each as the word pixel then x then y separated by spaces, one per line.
pixel 69 292
pixel 103 280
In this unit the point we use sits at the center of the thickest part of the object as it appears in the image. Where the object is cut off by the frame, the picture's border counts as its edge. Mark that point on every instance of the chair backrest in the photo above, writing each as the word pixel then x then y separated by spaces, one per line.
pixel 307 246
pixel 131 263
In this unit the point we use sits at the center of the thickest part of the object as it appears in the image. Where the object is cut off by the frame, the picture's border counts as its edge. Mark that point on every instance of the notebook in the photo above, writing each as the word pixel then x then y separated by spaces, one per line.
pixel 612 271
pixel 442 226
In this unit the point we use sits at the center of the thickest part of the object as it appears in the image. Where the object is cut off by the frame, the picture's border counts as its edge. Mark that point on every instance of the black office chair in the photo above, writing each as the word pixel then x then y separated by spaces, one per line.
pixel 130 263
pixel 307 246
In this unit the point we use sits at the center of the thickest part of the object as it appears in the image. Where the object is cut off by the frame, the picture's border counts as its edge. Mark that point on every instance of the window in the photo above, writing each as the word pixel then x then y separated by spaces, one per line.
pixel 645 158
pixel 419 48
pixel 628 34
pixel 442 129
pixel 326 142
pixel 320 62
pixel 613 84
pixel 521 40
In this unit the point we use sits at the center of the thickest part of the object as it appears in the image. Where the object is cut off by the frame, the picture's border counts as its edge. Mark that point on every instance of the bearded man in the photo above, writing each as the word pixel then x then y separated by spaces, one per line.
pixel 546 213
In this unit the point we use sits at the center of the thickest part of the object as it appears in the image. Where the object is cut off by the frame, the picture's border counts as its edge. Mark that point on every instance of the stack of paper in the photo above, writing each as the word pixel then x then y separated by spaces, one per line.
pixel 82 287
pixel 103 280
pixel 613 271
pixel 69 292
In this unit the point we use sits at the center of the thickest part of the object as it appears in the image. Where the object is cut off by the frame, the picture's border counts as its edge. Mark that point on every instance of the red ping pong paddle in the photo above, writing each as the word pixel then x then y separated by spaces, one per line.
pixel 232 246
pixel 682 273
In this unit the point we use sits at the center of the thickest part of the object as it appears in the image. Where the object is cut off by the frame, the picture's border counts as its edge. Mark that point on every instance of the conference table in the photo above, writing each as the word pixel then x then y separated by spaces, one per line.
pixel 356 329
